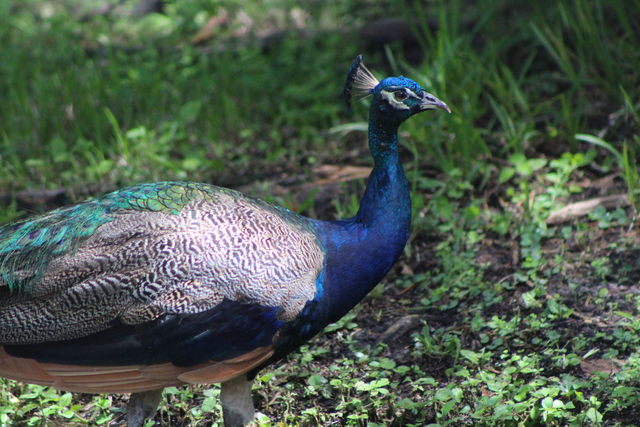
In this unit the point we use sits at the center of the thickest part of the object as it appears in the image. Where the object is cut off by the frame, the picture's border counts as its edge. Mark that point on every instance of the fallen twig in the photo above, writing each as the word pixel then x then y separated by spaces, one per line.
pixel 578 209
pixel 400 327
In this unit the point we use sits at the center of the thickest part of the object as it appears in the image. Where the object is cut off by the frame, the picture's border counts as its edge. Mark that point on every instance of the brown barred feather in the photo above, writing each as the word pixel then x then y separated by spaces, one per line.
pixel 127 379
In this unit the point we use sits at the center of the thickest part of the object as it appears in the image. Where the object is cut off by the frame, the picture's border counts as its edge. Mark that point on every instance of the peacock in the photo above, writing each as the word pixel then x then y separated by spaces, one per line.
pixel 172 283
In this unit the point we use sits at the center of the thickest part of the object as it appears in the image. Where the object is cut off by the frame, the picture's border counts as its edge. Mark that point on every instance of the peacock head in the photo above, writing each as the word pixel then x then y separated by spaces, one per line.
pixel 397 98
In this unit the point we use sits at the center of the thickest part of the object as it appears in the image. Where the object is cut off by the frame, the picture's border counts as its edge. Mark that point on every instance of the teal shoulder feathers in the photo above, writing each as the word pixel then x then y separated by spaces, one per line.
pixel 28 246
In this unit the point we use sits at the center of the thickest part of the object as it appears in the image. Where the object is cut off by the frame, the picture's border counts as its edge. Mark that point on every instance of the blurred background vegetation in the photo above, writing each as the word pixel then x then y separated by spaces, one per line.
pixel 96 95
pixel 107 93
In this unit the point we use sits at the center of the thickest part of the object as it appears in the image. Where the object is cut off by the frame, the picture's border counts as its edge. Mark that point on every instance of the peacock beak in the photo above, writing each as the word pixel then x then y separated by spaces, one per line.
pixel 430 102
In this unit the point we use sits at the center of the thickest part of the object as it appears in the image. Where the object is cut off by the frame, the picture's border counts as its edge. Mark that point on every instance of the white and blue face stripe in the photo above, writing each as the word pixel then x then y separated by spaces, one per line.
pixel 405 95
pixel 400 98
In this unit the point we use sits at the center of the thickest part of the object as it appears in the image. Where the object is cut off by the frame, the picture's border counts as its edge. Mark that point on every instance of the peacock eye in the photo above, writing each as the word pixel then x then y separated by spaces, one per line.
pixel 400 95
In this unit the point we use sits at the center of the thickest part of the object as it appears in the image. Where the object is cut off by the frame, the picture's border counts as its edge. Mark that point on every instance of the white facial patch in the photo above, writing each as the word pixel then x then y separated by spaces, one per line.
pixel 399 105
pixel 411 93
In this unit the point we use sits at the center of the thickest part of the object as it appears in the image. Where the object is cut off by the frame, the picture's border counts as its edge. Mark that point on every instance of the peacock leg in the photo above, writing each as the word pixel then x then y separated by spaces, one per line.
pixel 237 405
pixel 142 405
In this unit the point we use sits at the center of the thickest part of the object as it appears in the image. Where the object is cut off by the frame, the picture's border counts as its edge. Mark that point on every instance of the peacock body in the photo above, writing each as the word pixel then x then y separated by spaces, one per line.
pixel 174 283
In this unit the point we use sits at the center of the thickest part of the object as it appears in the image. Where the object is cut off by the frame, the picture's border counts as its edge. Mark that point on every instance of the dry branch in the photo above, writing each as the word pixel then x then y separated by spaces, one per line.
pixel 578 209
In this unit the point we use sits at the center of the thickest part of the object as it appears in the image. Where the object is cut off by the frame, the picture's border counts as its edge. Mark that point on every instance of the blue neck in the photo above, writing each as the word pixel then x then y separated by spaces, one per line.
pixel 361 250
pixel 387 194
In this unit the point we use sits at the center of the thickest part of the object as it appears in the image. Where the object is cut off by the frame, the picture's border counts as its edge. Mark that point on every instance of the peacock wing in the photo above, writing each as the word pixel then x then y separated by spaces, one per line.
pixel 177 273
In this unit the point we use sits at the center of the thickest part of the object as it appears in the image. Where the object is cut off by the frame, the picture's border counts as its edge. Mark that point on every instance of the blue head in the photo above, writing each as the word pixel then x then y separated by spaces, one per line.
pixel 395 99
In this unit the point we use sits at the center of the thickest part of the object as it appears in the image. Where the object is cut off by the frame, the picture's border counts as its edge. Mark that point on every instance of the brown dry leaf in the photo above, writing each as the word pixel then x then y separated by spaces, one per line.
pixel 333 173
pixel 400 327
pixel 486 393
pixel 607 366
pixel 208 31
pixel 602 184
pixel 578 209
pixel 406 270
pixel 589 319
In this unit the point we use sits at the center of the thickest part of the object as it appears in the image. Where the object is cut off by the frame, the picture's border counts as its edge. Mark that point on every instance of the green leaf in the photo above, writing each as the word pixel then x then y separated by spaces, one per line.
pixel 208 404
pixel 471 356
pixel 443 395
pixel 316 380
pixel 591 139
pixel 529 299
pixel 594 416
pixel 447 407
pixel 547 402
pixel 506 174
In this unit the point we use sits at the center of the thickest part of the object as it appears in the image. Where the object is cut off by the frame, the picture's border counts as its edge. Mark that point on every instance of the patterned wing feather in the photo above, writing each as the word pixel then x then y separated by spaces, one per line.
pixel 133 262
pixel 27 247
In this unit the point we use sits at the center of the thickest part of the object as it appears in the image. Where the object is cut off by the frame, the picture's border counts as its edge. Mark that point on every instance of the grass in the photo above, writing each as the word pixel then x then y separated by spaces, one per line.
pixel 515 321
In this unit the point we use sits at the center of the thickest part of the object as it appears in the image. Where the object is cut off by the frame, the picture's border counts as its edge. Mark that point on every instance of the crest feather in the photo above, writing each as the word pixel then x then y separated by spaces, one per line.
pixel 360 82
